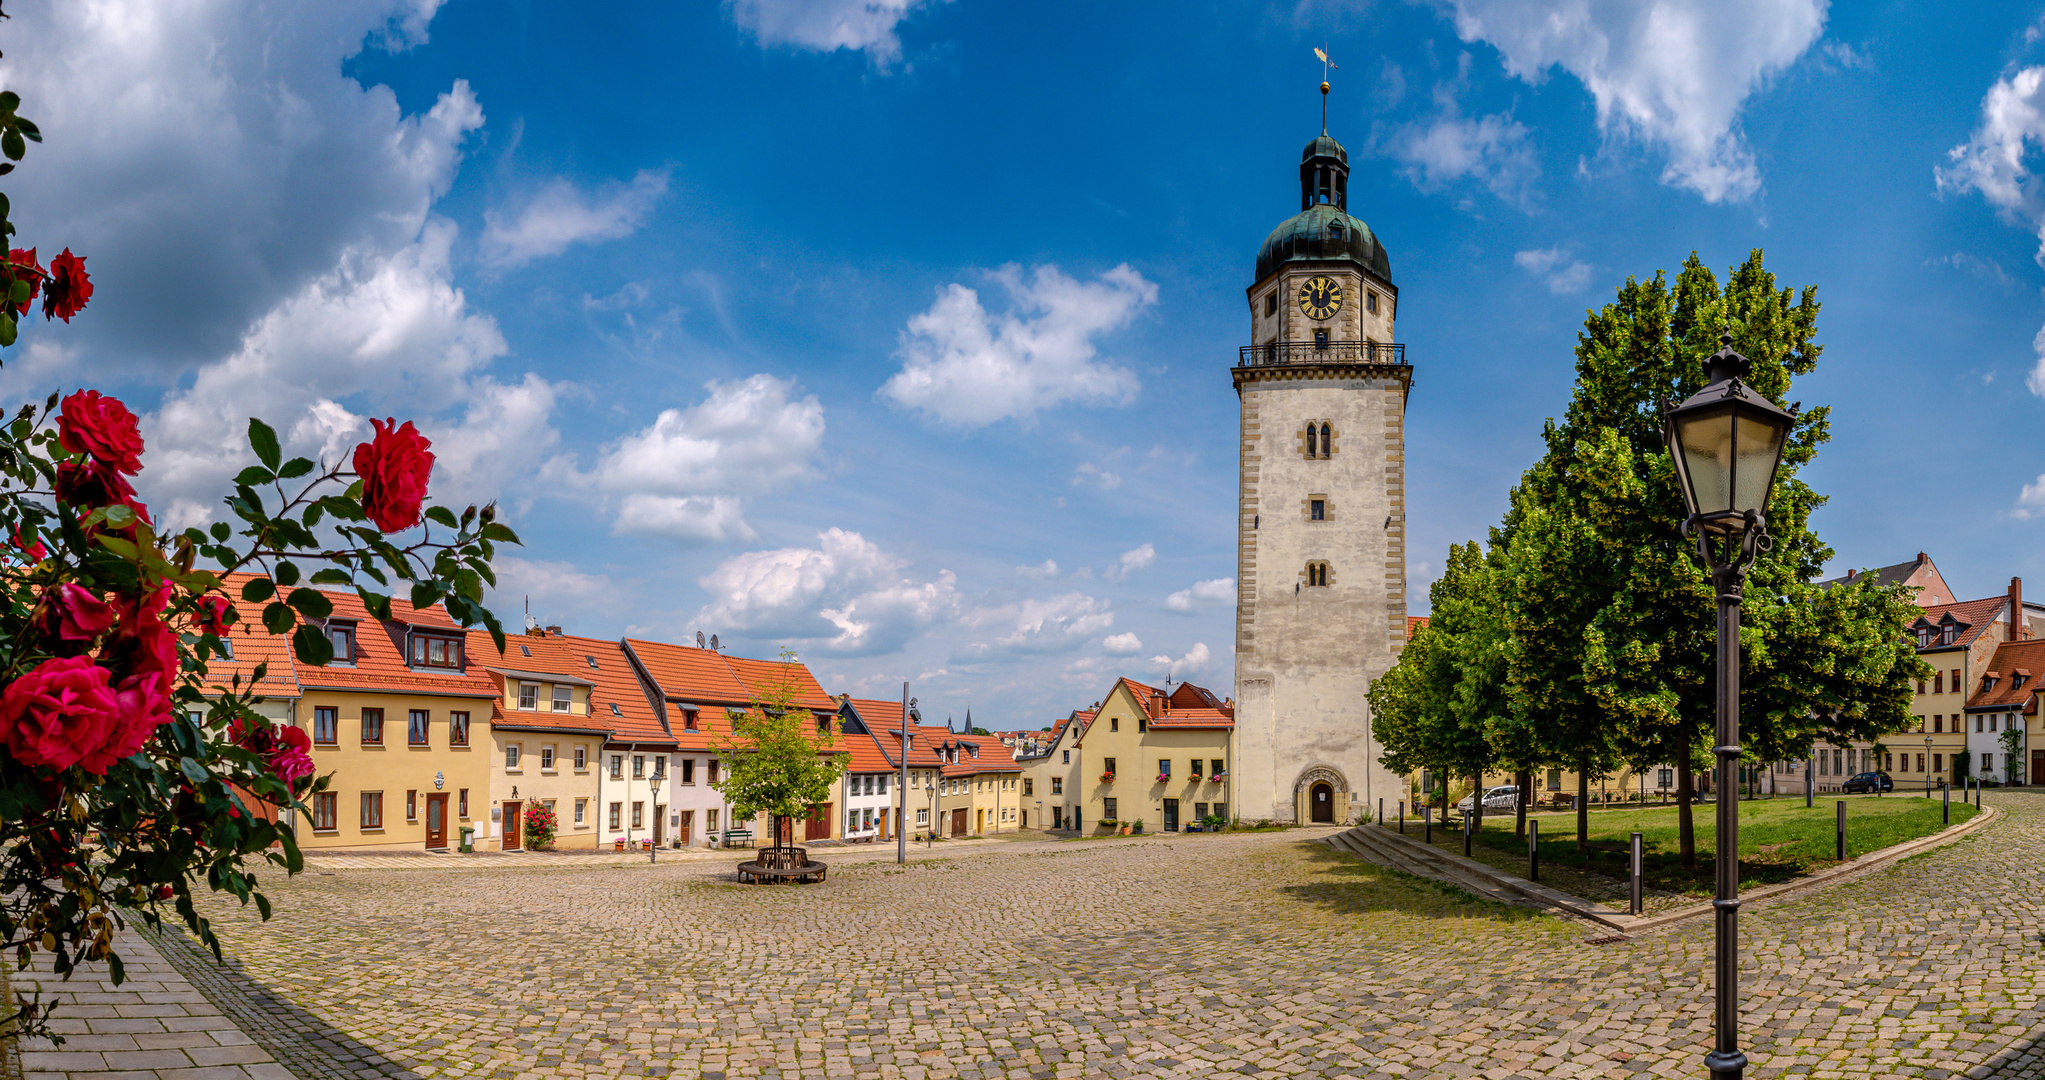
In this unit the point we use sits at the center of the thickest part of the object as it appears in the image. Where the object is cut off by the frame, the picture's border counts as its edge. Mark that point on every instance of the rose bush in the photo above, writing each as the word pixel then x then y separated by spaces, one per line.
pixel 127 766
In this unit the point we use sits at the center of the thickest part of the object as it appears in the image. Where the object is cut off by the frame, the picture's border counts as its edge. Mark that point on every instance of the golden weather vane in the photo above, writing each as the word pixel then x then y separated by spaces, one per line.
pixel 1327 66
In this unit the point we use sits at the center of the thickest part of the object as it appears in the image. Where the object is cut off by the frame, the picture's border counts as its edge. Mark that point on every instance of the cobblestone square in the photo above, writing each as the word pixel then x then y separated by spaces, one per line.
pixel 1245 954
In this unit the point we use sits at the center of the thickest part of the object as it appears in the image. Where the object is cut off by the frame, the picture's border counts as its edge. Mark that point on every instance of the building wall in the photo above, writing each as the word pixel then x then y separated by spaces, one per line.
pixel 691 792
pixel 532 782
pixel 1305 655
pixel 855 804
pixel 1139 796
pixel 1064 763
pixel 395 768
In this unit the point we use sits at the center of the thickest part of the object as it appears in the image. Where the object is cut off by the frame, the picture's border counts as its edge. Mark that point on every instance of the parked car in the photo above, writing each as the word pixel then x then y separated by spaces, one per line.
pixel 1498 798
pixel 1866 782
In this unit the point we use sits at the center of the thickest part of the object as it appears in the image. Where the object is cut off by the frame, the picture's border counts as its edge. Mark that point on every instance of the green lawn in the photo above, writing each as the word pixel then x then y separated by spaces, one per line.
pixel 1779 839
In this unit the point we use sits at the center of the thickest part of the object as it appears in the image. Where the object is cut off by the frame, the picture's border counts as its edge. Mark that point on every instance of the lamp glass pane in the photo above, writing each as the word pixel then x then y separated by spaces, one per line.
pixel 1708 458
pixel 1758 444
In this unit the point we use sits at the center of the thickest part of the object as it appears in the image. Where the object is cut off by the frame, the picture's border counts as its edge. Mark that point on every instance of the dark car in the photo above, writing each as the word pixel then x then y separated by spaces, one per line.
pixel 1868 781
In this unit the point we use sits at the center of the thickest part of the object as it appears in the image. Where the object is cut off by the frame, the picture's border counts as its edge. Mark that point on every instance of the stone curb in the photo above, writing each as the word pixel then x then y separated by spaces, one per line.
pixel 1629 924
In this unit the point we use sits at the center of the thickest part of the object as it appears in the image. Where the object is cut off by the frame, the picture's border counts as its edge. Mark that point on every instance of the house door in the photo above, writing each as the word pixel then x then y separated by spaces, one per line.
pixel 511 827
pixel 1324 804
pixel 436 819
pixel 958 822
pixel 979 821
pixel 659 824
pixel 1171 815
pixel 818 825
pixel 682 834
pixel 2037 768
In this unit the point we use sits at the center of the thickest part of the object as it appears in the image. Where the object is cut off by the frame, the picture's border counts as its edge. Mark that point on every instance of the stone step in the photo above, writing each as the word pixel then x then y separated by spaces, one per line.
pixel 1510 884
pixel 1416 860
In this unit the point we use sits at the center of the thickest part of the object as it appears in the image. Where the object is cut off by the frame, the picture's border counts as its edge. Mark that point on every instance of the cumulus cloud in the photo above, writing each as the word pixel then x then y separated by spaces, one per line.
pixel 1992 163
pixel 1042 572
pixel 1562 274
pixel 1672 73
pixel 685 476
pixel 827 25
pixel 559 216
pixel 843 596
pixel 1048 625
pixel 1492 150
pixel 1089 473
pixel 1123 644
pixel 968 367
pixel 2031 501
pixel 1211 591
pixel 1131 561
pixel 1195 661
pixel 222 138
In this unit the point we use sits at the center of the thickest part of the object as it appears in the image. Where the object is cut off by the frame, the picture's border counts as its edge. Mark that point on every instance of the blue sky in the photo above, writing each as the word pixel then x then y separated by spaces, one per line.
pixel 897 331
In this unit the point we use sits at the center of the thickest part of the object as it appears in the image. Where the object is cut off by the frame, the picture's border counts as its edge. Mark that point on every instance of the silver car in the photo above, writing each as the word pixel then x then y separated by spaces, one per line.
pixel 1498 798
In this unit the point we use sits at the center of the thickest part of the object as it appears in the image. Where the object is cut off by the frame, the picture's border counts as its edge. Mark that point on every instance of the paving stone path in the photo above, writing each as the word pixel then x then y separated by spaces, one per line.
pixel 1255 954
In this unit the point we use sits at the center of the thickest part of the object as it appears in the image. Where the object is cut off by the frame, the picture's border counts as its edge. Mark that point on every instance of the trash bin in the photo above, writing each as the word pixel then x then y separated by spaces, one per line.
pixel 468 839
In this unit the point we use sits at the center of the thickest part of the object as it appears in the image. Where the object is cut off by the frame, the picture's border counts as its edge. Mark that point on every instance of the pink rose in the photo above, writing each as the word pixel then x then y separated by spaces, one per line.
pixel 154 647
pixel 73 614
pixel 211 615
pixel 92 423
pixel 290 760
pixel 58 712
pixel 394 468
pixel 142 703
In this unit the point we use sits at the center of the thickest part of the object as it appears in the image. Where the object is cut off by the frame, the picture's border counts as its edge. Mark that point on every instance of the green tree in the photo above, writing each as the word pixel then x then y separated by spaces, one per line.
pixel 778 759
pixel 1612 613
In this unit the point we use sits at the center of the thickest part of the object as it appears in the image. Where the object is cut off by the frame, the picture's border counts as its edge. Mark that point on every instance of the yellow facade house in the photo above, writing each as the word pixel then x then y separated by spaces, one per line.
pixel 1163 760
pixel 401 719
pixel 546 728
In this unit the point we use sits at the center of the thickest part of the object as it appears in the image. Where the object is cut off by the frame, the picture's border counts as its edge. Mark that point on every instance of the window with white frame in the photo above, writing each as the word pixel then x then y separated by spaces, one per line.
pixel 511 755
pixel 528 696
pixel 547 757
pixel 563 701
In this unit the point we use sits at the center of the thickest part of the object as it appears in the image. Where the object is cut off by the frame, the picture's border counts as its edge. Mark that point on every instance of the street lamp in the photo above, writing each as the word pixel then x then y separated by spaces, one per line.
pixel 1726 442
pixel 653 800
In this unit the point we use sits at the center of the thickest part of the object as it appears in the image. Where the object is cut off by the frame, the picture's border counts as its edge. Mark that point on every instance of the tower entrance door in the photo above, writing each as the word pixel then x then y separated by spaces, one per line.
pixel 1323 810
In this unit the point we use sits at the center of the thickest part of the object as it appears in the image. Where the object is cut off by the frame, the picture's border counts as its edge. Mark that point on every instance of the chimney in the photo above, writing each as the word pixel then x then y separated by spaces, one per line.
pixel 553 631
pixel 1922 558
pixel 2019 626
pixel 1851 574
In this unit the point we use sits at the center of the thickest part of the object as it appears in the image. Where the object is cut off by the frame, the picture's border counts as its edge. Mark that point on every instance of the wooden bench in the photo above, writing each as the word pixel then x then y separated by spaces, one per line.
pixel 782 864
pixel 733 837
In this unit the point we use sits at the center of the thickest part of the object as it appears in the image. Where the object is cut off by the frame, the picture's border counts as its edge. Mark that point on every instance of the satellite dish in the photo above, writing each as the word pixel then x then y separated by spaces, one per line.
pixel 699 639
pixel 530 622
pixel 713 642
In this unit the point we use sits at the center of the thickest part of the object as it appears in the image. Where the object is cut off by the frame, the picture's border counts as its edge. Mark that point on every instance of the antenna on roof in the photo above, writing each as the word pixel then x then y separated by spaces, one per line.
pixel 699 639
pixel 530 622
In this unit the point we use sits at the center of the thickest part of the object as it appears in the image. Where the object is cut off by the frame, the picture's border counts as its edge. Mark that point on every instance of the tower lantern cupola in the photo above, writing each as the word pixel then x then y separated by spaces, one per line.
pixel 1324 174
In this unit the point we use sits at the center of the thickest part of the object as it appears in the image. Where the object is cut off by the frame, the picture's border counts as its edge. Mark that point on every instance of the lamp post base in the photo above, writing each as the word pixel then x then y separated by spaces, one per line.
pixel 1725 1066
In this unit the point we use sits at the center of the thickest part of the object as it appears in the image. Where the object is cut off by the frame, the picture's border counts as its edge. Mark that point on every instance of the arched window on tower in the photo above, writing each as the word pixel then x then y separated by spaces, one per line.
pixel 1313 442
pixel 1317 575
pixel 1327 441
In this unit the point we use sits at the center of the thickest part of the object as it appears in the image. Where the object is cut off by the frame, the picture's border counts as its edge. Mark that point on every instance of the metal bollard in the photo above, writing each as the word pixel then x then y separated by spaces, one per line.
pixel 1842 830
pixel 1635 872
pixel 1977 794
pixel 1381 812
pixel 1533 851
pixel 1945 792
pixel 1402 817
pixel 1427 822
pixel 1466 833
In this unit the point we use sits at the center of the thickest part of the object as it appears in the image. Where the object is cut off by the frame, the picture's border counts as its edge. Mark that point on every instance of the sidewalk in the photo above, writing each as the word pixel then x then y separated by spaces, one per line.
pixel 154 1026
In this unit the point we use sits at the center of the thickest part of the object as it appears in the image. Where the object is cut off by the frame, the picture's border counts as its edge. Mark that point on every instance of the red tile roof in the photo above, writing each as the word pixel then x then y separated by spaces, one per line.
pixel 1414 622
pixel 1164 712
pixel 379 660
pixel 254 645
pixel 992 756
pixel 2016 666
pixel 1975 615
pixel 613 682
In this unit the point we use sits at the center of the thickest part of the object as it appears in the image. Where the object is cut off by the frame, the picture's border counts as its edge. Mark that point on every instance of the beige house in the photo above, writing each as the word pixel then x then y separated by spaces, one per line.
pixel 1163 759
pixel 544 737
pixel 1051 795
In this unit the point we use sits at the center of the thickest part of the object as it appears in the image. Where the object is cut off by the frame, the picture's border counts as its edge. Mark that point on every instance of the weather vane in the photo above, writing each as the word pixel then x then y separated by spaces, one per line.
pixel 1327 66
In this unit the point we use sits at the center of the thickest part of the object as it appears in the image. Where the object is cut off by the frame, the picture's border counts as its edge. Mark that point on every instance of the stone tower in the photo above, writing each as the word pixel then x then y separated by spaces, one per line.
pixel 1321 553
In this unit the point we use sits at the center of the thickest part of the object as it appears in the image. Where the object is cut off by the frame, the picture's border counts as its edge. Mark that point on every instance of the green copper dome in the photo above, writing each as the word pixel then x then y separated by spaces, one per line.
pixel 1320 233
pixel 1323 229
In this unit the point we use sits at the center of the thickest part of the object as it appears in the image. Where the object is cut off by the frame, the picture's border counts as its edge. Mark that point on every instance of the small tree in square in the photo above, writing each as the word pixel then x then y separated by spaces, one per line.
pixel 778 759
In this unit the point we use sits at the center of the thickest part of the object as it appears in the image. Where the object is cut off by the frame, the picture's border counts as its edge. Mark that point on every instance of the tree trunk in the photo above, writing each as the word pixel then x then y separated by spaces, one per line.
pixel 1686 829
pixel 1524 780
pixel 1583 806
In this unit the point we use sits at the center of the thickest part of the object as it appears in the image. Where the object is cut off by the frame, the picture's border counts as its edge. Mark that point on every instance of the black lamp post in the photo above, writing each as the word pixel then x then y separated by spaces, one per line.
pixel 1727 441
pixel 1927 772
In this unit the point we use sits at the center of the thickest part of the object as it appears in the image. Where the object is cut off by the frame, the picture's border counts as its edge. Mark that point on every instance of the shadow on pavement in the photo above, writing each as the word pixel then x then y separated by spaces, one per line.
pixel 1358 887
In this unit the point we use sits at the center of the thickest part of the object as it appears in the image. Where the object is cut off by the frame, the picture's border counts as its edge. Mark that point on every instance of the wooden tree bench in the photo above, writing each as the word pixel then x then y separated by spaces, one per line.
pixel 782 864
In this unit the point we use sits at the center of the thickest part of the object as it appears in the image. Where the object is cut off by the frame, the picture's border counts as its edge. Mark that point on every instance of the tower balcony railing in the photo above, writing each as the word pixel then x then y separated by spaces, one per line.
pixel 1324 352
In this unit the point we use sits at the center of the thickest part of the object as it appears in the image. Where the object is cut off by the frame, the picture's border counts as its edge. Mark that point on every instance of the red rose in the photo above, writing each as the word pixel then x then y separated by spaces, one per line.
pixel 22 266
pixel 74 614
pixel 68 288
pixel 33 553
pixel 58 712
pixel 290 760
pixel 89 485
pixel 150 647
pixel 141 703
pixel 92 423
pixel 394 468
pixel 212 616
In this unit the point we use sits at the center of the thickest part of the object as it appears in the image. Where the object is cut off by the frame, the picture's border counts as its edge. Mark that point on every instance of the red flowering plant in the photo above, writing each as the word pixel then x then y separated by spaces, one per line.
pixel 131 776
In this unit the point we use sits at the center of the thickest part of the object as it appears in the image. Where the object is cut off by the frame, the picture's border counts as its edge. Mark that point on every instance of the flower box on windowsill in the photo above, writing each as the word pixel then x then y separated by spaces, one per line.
pixel 1107 778
pixel 1164 778
pixel 1217 778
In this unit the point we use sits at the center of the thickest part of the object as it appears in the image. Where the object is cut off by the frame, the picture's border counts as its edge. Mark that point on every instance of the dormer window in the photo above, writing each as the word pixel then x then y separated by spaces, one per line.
pixel 1948 634
pixel 342 635
pixel 615 711
pixel 528 696
pixel 440 652
pixel 1923 637
pixel 1335 232
pixel 563 701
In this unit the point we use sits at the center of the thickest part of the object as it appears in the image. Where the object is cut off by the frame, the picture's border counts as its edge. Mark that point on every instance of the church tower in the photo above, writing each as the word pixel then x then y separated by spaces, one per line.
pixel 1321 552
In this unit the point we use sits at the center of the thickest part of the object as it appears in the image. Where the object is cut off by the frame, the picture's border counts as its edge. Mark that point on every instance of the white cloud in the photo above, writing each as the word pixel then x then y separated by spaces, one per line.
pixel 1043 572
pixel 1195 661
pixel 559 593
pixel 843 596
pixel 1060 622
pixel 1211 591
pixel 827 25
pixel 1131 561
pixel 221 135
pixel 1557 270
pixel 967 367
pixel 1493 150
pixel 1975 266
pixel 1992 162
pixel 1090 473
pixel 1674 73
pixel 559 216
pixel 685 475
pixel 2031 501
pixel 1123 644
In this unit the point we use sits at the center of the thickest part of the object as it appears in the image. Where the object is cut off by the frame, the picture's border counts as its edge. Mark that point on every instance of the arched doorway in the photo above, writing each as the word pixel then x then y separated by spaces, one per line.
pixel 1322 800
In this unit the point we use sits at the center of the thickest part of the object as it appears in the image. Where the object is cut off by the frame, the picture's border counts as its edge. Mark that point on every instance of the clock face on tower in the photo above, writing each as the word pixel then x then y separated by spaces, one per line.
pixel 1320 297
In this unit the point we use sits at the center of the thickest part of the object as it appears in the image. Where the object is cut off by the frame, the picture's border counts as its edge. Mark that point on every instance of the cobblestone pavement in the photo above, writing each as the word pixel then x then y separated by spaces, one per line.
pixel 153 1026
pixel 1252 954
